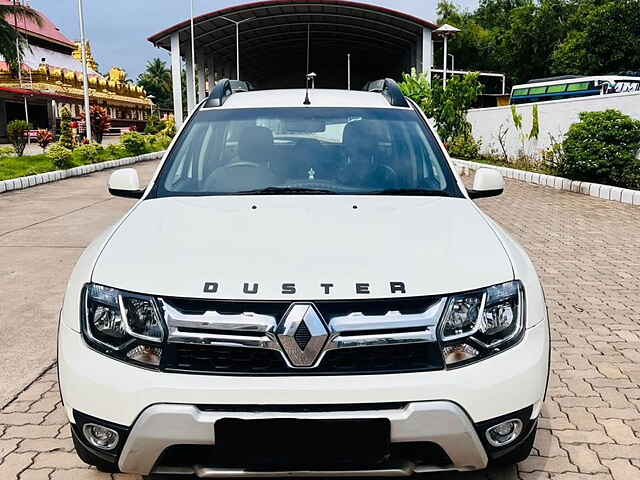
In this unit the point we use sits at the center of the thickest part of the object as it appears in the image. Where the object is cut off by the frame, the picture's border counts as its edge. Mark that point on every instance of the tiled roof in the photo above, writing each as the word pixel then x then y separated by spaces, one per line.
pixel 47 30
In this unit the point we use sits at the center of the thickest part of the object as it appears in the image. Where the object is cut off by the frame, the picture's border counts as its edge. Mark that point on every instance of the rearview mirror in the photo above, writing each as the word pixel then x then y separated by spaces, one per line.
pixel 125 183
pixel 487 183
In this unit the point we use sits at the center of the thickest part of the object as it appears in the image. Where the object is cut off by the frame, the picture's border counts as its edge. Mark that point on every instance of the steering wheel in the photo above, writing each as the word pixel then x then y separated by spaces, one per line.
pixel 236 165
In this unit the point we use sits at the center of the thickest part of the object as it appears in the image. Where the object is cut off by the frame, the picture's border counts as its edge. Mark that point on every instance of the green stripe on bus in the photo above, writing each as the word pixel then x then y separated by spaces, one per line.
pixel 574 87
pixel 557 88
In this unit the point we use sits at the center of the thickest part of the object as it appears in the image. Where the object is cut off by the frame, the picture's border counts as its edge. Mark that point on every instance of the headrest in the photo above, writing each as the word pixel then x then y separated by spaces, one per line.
pixel 255 144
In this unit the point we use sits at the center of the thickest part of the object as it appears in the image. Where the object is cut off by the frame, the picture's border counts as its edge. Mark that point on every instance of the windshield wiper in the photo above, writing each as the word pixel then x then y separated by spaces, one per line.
pixel 285 191
pixel 423 192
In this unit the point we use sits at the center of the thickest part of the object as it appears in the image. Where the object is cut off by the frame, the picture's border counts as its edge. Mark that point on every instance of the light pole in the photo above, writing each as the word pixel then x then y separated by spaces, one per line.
pixel 445 31
pixel 237 41
pixel 193 53
pixel 85 71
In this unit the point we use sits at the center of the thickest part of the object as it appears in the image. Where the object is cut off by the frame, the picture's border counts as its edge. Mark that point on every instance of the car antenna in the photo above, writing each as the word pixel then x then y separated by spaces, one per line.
pixel 306 98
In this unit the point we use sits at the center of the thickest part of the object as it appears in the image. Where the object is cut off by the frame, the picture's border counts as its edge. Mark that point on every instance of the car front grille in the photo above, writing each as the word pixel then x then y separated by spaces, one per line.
pixel 204 359
pixel 363 337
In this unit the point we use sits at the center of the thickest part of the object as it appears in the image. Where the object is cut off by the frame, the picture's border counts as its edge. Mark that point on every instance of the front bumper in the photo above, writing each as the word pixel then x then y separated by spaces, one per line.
pixel 443 407
pixel 442 423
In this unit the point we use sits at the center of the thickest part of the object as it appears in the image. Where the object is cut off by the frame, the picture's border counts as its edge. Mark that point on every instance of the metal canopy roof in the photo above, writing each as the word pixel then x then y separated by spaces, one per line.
pixel 273 42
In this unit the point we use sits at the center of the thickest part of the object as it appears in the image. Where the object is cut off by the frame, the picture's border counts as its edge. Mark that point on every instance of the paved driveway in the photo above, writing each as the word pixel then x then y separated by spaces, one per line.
pixel 43 231
pixel 587 252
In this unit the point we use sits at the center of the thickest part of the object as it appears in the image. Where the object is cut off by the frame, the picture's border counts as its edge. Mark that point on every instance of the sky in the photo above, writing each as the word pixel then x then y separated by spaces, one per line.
pixel 118 29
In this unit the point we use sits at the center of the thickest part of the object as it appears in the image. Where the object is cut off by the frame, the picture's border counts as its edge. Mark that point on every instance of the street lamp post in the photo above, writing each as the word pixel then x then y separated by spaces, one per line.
pixel 237 24
pixel 85 71
pixel 193 53
pixel 446 31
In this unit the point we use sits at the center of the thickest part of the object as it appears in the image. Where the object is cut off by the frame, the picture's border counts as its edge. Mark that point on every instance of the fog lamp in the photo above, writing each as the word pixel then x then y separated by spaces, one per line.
pixel 101 437
pixel 144 354
pixel 504 433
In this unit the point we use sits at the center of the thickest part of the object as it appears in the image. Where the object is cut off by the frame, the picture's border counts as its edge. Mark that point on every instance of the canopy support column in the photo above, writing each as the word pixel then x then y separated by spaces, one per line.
pixel 212 73
pixel 176 76
pixel 202 78
pixel 426 60
pixel 191 91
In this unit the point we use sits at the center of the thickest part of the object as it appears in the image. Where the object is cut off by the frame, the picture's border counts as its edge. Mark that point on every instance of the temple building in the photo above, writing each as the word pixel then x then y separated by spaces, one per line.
pixel 51 78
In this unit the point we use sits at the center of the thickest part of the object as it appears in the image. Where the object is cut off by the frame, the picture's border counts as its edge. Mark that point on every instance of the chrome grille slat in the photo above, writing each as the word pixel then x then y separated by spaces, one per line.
pixel 355 330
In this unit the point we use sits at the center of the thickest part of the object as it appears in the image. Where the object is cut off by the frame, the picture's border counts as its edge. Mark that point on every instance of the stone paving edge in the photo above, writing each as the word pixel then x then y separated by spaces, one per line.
pixel 605 192
pixel 22 183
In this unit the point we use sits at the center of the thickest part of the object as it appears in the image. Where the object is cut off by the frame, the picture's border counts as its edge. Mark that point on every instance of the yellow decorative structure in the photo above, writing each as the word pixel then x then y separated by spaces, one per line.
pixel 52 79
pixel 77 54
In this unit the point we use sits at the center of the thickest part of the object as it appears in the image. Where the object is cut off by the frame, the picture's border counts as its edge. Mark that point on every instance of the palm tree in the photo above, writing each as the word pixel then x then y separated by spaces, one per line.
pixel 9 16
pixel 156 80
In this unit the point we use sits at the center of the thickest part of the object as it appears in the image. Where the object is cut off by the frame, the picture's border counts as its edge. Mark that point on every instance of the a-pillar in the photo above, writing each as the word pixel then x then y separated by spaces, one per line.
pixel 176 76
pixel 191 91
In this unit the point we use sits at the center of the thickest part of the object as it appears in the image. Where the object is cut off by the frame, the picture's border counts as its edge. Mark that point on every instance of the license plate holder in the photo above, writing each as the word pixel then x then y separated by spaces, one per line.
pixel 291 443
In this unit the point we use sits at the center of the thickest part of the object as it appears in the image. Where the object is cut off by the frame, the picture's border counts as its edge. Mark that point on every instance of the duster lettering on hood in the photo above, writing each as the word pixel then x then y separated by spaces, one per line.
pixel 361 288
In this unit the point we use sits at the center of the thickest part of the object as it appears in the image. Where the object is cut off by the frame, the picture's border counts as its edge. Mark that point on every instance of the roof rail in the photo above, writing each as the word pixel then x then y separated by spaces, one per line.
pixel 390 89
pixel 221 91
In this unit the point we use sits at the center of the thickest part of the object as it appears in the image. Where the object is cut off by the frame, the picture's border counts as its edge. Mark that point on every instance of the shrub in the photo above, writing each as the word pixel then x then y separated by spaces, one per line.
pixel 87 153
pixel 603 147
pixel 115 151
pixel 160 142
pixel 100 121
pixel 464 147
pixel 60 156
pixel 170 127
pixel 135 143
pixel 44 138
pixel 7 152
pixel 154 125
pixel 67 139
pixel 416 86
pixel 448 106
pixel 17 132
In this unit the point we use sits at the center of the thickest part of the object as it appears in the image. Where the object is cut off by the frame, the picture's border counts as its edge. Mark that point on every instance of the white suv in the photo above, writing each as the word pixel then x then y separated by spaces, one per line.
pixel 305 288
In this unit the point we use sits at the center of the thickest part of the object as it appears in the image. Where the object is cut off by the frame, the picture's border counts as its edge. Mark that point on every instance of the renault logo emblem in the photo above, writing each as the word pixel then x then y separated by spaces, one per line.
pixel 302 334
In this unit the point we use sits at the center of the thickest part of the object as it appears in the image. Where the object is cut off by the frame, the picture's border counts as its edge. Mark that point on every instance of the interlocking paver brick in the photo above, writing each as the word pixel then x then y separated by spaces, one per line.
pixel 590 425
pixel 622 469
pixel 41 474
pixel 585 459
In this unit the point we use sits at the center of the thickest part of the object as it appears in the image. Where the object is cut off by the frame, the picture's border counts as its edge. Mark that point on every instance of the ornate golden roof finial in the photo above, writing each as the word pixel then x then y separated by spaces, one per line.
pixel 77 54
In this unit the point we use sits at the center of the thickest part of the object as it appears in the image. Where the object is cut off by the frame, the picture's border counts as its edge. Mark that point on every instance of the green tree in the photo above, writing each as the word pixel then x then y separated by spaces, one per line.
pixel 603 39
pixel 448 106
pixel 9 16
pixel 156 80
pixel 66 133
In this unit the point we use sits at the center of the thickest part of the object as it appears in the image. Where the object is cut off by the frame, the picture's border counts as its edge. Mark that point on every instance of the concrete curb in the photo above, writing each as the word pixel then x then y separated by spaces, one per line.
pixel 606 192
pixel 31 181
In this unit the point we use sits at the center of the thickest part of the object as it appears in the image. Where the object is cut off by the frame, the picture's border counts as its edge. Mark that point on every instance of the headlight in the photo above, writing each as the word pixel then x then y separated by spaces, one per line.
pixel 482 323
pixel 123 325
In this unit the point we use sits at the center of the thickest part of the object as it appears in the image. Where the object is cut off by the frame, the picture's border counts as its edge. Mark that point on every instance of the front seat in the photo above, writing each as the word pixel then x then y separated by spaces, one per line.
pixel 255 145
pixel 250 171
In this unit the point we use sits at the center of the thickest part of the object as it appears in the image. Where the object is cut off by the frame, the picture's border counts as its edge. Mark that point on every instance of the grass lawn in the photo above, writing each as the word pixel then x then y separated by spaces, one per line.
pixel 14 167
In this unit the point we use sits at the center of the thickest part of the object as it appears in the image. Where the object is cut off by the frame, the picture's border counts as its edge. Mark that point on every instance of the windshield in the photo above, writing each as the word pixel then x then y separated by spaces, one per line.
pixel 306 151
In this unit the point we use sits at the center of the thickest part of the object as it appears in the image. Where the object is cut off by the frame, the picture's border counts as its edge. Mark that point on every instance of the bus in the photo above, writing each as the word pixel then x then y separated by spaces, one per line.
pixel 572 86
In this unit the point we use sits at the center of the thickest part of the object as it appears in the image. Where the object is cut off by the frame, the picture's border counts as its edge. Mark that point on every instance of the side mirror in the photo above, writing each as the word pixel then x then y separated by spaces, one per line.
pixel 487 183
pixel 125 183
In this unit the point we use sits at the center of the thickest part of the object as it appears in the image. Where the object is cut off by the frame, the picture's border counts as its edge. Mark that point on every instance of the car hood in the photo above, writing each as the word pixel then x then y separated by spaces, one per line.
pixel 358 245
